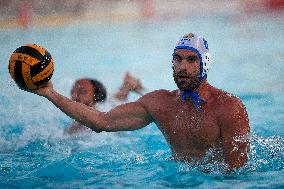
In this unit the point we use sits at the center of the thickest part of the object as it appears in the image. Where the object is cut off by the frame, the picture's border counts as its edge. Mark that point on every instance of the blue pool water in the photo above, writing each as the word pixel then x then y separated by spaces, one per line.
pixel 248 61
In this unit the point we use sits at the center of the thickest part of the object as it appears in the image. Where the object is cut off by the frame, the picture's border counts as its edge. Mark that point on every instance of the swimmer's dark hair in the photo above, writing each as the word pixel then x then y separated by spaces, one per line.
pixel 100 90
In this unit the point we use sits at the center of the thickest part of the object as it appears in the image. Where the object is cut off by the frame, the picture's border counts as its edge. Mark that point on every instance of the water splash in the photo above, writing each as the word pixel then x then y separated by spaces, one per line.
pixel 266 153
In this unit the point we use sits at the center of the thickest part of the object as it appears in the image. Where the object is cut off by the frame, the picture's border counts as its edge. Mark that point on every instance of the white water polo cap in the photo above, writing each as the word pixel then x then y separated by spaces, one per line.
pixel 199 45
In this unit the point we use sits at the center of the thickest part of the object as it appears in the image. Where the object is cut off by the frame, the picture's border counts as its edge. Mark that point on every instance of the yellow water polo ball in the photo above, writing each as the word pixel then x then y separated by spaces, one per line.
pixel 31 66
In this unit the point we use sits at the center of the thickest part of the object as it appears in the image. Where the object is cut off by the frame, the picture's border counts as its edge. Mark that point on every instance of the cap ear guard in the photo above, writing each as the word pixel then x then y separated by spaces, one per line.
pixel 206 63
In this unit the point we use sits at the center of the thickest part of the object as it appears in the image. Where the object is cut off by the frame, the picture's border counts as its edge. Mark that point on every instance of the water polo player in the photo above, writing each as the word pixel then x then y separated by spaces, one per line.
pixel 92 93
pixel 194 118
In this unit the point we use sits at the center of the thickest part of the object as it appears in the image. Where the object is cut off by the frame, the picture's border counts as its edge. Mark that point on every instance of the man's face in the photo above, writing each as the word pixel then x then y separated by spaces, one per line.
pixel 83 91
pixel 186 69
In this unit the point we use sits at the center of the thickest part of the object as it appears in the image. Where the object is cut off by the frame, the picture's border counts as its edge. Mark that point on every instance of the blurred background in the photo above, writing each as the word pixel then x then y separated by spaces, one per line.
pixel 46 13
pixel 103 39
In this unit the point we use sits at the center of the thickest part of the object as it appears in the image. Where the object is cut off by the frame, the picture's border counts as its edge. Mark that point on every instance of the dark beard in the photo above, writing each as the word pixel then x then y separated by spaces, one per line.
pixel 191 83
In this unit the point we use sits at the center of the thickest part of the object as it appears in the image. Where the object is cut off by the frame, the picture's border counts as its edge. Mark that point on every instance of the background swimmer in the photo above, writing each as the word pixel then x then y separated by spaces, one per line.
pixel 91 92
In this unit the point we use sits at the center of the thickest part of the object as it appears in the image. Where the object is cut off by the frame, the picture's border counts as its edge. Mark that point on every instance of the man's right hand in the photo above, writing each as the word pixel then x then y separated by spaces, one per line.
pixel 44 90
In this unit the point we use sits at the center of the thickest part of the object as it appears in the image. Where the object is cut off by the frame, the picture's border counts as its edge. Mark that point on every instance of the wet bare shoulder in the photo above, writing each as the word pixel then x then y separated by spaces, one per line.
pixel 223 98
pixel 159 104
pixel 228 104
pixel 156 98
pixel 157 95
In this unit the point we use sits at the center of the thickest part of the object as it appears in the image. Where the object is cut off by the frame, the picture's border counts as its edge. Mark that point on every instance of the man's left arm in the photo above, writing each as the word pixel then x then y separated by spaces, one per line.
pixel 235 132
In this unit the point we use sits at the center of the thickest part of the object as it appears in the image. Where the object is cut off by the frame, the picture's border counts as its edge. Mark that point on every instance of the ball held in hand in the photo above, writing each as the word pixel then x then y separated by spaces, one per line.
pixel 31 66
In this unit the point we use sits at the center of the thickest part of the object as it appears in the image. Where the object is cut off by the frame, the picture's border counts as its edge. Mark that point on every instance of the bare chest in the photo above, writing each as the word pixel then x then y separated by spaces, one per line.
pixel 186 128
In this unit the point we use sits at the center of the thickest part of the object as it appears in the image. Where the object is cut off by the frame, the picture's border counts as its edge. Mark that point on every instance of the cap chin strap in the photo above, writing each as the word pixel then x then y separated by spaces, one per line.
pixel 194 96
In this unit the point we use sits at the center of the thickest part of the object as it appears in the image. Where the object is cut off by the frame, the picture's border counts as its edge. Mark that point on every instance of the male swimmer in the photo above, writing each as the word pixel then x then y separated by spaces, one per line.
pixel 92 92
pixel 194 118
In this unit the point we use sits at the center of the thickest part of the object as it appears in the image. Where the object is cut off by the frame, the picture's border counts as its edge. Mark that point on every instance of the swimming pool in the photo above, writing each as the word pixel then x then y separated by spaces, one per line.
pixel 248 61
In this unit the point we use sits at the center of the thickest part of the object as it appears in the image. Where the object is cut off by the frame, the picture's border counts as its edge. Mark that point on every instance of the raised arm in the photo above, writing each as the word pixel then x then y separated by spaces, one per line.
pixel 235 132
pixel 130 83
pixel 129 116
